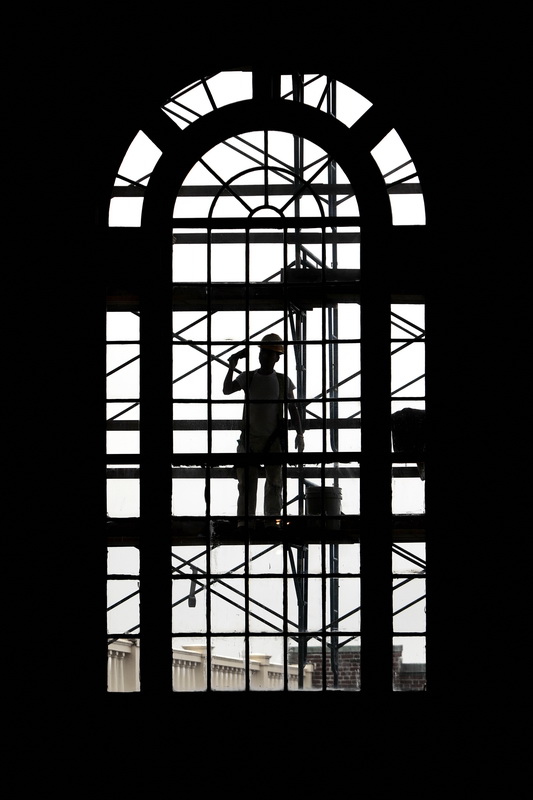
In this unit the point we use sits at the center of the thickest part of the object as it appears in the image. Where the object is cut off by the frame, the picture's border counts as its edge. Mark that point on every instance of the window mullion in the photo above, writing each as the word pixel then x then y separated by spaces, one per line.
pixel 376 593
pixel 156 467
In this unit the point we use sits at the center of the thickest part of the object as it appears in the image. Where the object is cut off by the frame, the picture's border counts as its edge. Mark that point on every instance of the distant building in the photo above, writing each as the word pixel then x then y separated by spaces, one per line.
pixel 189 670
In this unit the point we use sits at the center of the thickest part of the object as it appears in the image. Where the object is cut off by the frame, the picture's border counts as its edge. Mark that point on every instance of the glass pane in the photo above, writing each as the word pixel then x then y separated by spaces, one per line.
pixel 188 492
pixel 189 259
pixel 122 412
pixel 190 325
pixel 409 616
pixel 189 664
pixel 228 262
pixel 228 672
pixel 267 665
pixel 409 660
pixel 122 428
pixel 408 407
pixel 123 618
pixel 126 206
pixel 399 171
pixel 189 371
pixel 190 427
pixel 123 491
pixel 123 665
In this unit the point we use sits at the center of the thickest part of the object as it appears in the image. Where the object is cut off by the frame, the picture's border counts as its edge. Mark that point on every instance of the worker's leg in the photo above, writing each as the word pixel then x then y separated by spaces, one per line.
pixel 247 480
pixel 273 495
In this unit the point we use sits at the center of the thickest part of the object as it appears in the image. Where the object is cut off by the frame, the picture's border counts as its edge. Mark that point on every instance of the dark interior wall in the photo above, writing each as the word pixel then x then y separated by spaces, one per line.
pixel 433 80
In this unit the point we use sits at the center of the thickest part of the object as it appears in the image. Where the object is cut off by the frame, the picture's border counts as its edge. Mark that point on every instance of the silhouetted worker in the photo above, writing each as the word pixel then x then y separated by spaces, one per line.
pixel 263 430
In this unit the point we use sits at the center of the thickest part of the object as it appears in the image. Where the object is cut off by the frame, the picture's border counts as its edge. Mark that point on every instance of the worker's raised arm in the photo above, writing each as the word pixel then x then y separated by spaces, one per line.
pixel 230 385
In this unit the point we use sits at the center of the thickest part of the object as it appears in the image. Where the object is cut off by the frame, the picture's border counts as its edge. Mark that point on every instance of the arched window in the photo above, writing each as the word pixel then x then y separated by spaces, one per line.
pixel 253 204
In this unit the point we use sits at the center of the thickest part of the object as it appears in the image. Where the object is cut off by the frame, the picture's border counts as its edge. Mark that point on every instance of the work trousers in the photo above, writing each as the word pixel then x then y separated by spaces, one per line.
pixel 248 477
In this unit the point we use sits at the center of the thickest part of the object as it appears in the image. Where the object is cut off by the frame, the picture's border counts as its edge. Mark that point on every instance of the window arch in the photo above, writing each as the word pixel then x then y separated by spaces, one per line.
pixel 330 96
pixel 258 215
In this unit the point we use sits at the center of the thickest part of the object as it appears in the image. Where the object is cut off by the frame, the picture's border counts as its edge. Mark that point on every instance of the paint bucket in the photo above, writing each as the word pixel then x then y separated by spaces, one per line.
pixel 324 501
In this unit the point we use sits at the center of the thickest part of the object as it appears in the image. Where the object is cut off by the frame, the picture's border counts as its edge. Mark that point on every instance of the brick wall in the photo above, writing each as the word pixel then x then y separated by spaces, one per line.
pixel 406 677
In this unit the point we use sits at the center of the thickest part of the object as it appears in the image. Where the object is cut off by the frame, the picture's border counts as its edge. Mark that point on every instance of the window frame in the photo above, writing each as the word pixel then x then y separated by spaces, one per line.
pixel 379 246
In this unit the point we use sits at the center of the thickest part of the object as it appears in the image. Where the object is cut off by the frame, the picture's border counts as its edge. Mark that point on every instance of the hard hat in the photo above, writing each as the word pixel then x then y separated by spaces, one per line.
pixel 272 342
